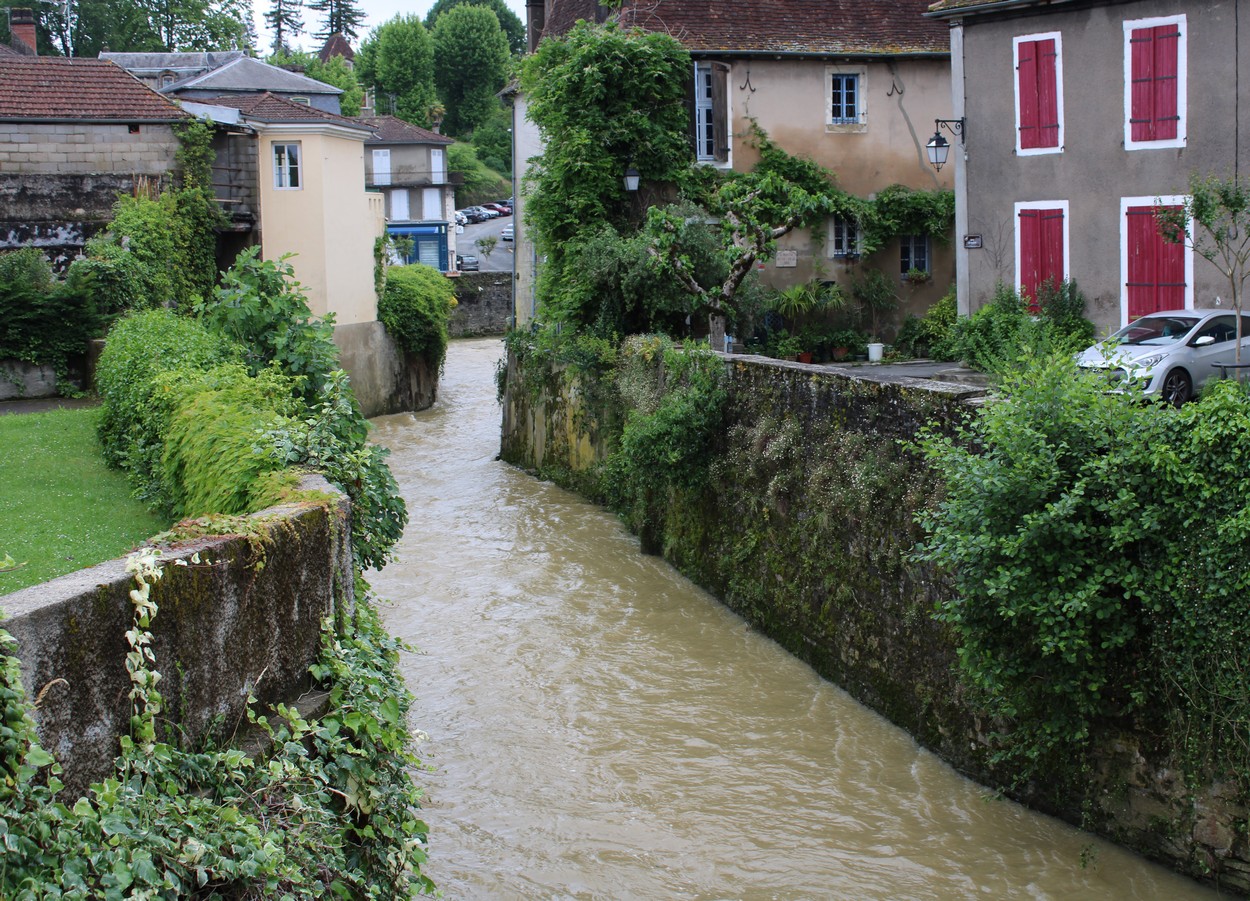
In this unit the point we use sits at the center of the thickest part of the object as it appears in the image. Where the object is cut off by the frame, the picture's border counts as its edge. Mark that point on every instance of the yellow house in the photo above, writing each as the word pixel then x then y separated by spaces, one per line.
pixel 312 200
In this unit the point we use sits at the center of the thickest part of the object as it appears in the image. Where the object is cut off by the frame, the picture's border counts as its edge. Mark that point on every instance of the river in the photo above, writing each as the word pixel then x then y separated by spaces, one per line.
pixel 601 728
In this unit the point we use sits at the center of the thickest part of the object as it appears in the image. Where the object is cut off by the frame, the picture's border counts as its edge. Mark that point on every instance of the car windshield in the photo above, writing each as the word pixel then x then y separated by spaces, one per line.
pixel 1155 330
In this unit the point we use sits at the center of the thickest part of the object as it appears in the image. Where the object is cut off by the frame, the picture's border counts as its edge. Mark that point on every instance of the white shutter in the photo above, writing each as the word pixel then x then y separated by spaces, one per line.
pixel 399 205
pixel 431 203
pixel 381 167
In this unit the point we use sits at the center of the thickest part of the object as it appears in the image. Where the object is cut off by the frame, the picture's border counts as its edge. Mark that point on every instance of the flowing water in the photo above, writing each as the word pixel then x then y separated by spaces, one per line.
pixel 600 728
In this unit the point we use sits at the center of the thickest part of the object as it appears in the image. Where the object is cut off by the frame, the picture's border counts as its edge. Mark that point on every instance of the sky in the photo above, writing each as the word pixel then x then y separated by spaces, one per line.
pixel 376 13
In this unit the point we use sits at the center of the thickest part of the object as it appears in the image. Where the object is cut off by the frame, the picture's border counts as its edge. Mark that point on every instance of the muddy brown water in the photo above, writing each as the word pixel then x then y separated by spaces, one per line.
pixel 601 728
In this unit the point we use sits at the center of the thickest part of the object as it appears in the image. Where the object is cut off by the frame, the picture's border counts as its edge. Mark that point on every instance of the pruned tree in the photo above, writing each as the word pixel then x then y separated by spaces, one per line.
pixel 470 65
pixel 511 24
pixel 1214 221
pixel 397 61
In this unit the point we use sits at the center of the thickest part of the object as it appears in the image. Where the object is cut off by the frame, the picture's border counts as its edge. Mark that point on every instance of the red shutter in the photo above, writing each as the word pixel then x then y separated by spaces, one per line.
pixel 1154 109
pixel 1156 268
pixel 1041 252
pixel 1039 94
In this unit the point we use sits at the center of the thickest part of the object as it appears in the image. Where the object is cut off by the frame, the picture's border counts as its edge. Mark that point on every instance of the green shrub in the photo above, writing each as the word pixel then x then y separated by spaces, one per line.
pixel 415 308
pixel 115 279
pixel 261 308
pixel 42 320
pixel 135 405
pixel 929 335
pixel 212 458
pixel 1002 336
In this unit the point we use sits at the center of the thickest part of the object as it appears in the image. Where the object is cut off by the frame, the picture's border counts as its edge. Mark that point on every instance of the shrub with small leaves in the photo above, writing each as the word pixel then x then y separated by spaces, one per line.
pixel 415 308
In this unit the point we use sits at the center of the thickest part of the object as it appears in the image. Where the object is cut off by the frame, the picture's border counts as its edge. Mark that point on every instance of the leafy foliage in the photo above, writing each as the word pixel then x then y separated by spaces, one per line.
pixel 397 61
pixel 481 183
pixel 511 24
pixel 329 810
pixel 285 24
pixel 470 65
pixel 415 307
pixel 1097 548
pixel 43 320
pixel 335 71
pixel 1002 335
pixel 85 27
pixel 260 307
pixel 929 335
pixel 337 17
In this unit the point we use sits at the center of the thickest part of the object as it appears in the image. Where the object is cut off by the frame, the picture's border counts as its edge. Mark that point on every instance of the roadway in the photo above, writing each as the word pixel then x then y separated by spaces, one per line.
pixel 500 259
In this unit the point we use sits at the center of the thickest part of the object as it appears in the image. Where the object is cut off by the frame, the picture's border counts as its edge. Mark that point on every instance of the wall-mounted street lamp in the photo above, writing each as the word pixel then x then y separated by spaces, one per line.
pixel 939 148
pixel 631 179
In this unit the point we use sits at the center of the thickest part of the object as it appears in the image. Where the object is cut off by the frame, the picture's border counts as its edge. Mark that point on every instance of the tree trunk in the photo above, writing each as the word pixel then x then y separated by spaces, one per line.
pixel 716 331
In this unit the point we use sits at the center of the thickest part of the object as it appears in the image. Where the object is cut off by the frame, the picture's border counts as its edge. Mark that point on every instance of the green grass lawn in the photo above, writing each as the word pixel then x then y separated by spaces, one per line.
pixel 61 508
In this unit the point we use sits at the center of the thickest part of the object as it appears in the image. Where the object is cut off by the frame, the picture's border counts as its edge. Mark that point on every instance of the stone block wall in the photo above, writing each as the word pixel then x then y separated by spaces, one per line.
pixel 483 304
pixel 84 148
pixel 245 619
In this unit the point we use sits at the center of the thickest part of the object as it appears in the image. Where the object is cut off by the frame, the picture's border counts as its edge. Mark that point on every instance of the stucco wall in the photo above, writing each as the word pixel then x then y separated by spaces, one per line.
pixel 245 619
pixel 1094 170
pixel 806 528
pixel 384 379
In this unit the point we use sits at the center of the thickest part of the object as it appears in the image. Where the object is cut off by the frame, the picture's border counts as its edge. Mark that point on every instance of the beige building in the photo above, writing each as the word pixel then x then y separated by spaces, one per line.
pixel 312 200
pixel 854 86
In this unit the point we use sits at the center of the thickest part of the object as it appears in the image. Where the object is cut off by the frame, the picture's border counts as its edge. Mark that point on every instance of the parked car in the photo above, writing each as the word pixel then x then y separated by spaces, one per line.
pixel 467 263
pixel 501 208
pixel 506 234
pixel 461 218
pixel 1171 353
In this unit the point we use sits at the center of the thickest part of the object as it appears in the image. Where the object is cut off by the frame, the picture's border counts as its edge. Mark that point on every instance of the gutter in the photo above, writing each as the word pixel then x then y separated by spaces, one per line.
pixel 45 120
pixel 821 54
pixel 992 6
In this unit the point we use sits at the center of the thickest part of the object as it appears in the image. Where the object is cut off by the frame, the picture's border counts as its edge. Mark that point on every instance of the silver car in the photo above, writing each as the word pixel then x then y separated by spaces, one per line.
pixel 1171 353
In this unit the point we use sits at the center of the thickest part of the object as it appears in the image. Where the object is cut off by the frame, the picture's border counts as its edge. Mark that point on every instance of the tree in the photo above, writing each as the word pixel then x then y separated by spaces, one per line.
pixel 753 210
pixel 397 61
pixel 1221 209
pixel 493 140
pixel 604 98
pixel 85 27
pixel 512 26
pixel 480 182
pixel 202 24
pixel 470 64
pixel 284 20
pixel 336 72
pixel 338 17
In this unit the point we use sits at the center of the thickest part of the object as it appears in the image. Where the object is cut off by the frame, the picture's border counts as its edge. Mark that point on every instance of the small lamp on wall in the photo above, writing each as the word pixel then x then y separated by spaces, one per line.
pixel 938 147
pixel 631 179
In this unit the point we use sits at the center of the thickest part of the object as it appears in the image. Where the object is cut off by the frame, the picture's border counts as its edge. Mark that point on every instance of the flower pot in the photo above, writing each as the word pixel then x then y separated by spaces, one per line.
pixel 841 353
pixel 805 356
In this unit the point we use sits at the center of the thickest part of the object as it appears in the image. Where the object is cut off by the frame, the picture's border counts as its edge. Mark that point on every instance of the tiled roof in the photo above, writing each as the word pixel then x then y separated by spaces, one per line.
pixel 950 6
pixel 833 27
pixel 336 45
pixel 247 74
pixel 47 87
pixel 270 108
pixel 392 130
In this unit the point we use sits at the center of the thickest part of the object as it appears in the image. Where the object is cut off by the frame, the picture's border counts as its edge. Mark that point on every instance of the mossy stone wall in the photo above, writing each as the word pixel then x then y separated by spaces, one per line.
pixel 806 528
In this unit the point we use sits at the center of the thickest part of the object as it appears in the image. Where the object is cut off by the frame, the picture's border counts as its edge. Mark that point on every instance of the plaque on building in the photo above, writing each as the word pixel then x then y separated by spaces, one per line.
pixel 787 259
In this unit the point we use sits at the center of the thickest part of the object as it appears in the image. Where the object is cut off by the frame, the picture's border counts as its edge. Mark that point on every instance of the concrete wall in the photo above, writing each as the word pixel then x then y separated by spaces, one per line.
pixel 1094 171
pixel 806 530
pixel 384 379
pixel 483 304
pixel 80 148
pixel 245 619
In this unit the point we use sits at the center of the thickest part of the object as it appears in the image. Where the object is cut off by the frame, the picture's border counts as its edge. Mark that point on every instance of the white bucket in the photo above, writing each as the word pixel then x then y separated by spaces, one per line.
pixel 874 352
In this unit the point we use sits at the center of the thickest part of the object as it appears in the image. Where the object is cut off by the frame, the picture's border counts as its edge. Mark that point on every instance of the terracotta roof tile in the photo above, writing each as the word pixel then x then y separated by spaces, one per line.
pixel 393 130
pixel 271 108
pixel 49 87
pixel 834 27
pixel 336 45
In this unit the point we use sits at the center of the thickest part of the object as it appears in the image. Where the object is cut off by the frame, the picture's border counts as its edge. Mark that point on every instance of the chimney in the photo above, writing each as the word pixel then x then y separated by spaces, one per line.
pixel 22 31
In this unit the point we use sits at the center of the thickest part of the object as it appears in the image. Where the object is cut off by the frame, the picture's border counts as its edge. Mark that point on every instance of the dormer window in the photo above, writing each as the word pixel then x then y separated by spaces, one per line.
pixel 303 100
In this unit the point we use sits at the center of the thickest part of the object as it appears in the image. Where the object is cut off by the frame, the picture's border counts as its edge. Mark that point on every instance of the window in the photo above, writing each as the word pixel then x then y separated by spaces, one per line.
pixel 845 90
pixel 303 100
pixel 1157 274
pixel 1154 83
pixel 431 203
pixel 399 205
pixel 1041 247
pixel 438 166
pixel 843 238
pixel 711 112
pixel 286 166
pixel 1039 94
pixel 381 167
pixel 913 253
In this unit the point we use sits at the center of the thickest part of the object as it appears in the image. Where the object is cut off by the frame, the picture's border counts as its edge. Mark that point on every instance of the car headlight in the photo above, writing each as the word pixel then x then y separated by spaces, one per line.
pixel 1147 362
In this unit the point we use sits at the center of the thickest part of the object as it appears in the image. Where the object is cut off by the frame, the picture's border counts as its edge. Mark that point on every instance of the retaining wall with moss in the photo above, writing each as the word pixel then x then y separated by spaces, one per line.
pixel 242 617
pixel 806 527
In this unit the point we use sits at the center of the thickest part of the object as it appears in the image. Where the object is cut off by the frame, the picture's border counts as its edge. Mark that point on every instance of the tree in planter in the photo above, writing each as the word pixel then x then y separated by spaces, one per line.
pixel 1221 210
pixel 876 297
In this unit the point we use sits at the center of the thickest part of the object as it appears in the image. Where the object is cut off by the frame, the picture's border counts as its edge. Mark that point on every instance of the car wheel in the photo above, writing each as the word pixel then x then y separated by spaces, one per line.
pixel 1177 388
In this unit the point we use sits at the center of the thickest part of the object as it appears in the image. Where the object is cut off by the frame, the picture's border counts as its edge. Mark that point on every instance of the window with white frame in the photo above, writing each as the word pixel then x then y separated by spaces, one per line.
pixel 913 253
pixel 1155 89
pixel 711 112
pixel 845 90
pixel 1039 93
pixel 286 167
pixel 844 238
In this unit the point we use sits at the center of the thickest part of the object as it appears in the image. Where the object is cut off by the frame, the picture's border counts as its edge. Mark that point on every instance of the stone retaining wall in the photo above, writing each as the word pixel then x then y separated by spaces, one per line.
pixel 483 304
pixel 243 620
pixel 806 529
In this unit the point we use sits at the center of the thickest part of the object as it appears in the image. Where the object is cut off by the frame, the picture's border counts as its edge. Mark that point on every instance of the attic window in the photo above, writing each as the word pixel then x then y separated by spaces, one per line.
pixel 133 129
pixel 303 100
